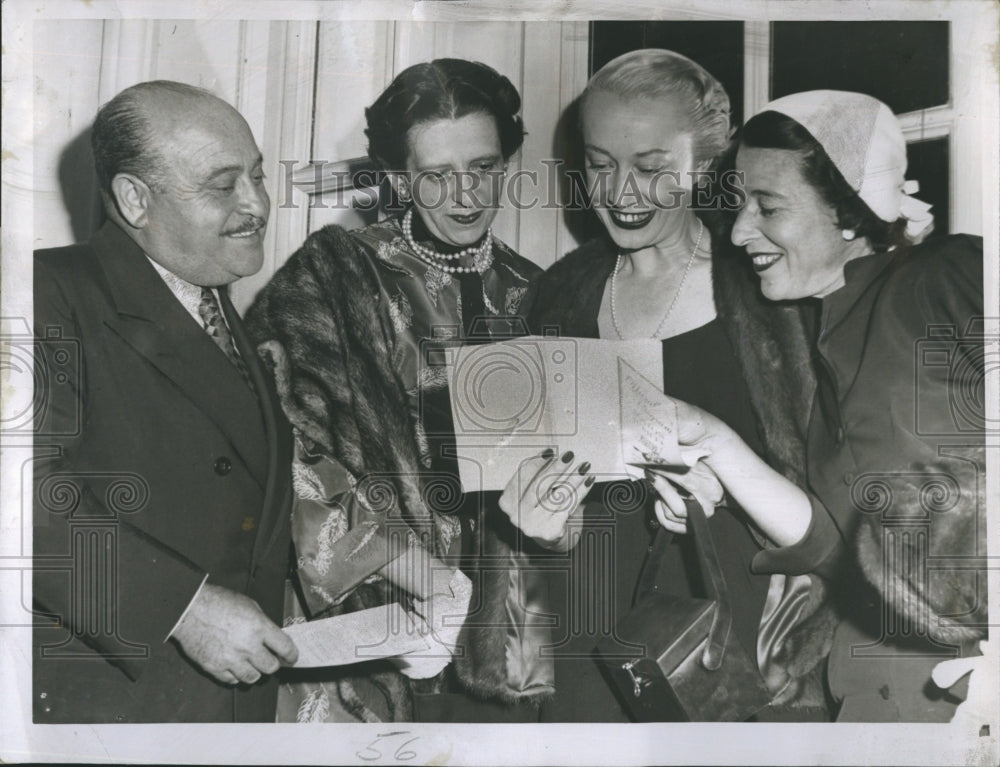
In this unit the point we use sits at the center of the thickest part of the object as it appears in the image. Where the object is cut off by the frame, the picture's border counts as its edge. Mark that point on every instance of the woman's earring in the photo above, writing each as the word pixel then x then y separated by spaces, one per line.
pixel 403 193
pixel 848 234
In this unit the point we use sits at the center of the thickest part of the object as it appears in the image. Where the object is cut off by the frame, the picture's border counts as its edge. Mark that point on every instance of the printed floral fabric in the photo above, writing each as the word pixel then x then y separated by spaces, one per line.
pixel 425 306
pixel 425 302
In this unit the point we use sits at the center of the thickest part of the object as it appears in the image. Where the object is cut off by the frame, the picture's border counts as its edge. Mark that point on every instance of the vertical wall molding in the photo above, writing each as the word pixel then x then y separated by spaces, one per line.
pixel 553 75
pixel 574 69
pixel 756 66
pixel 284 57
pixel 974 106
pixel 128 54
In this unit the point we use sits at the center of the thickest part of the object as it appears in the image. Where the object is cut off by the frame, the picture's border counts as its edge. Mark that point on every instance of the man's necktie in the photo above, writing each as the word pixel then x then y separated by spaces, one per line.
pixel 215 326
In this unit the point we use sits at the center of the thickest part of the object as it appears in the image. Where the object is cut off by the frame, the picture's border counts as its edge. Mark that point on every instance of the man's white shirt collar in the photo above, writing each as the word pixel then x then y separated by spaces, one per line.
pixel 189 295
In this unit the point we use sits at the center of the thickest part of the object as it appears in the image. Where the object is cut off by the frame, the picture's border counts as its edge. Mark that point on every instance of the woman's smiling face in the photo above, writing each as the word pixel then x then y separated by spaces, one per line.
pixel 639 160
pixel 789 231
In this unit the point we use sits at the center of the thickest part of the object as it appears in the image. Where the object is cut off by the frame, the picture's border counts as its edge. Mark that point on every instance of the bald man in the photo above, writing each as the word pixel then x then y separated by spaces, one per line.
pixel 162 459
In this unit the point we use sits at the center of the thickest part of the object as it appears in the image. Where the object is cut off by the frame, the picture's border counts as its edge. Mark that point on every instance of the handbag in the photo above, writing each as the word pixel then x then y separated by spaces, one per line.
pixel 692 667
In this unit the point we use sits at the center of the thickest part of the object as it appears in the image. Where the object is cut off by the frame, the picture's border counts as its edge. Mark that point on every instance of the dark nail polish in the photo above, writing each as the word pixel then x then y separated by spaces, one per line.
pixel 588 482
pixel 584 467
pixel 548 453
pixel 567 456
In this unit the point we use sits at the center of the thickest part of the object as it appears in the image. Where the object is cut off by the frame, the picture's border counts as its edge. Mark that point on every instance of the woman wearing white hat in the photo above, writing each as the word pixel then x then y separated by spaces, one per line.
pixel 894 516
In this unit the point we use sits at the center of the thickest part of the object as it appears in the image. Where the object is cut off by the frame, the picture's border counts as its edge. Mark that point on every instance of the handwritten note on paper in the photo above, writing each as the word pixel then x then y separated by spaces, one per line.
pixel 379 632
pixel 648 420
pixel 512 400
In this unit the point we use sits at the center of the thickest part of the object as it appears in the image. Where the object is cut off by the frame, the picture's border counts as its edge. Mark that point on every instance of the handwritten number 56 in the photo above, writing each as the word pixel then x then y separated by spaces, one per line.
pixel 402 754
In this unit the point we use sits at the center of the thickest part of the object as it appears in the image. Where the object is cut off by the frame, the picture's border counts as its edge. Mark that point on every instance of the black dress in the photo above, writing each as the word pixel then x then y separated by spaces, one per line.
pixel 596 586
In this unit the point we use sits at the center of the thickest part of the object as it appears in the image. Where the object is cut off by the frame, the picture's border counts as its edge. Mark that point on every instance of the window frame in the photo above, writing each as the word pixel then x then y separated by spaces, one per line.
pixel 965 206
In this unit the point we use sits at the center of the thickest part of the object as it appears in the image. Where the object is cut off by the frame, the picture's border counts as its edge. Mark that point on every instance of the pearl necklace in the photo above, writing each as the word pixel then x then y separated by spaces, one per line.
pixel 480 253
pixel 614 275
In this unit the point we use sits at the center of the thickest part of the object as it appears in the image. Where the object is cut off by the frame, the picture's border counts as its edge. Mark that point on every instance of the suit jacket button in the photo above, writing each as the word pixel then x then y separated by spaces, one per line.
pixel 223 466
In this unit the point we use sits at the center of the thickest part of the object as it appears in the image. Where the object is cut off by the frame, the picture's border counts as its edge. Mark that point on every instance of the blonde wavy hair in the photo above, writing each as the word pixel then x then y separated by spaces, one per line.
pixel 655 73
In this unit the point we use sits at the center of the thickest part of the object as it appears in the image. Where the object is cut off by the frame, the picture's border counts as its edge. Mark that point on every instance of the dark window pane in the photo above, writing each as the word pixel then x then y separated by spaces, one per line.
pixel 609 39
pixel 716 45
pixel 927 162
pixel 903 63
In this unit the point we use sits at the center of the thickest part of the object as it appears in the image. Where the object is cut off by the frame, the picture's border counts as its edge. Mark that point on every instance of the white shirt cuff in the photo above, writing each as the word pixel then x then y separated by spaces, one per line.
pixel 200 587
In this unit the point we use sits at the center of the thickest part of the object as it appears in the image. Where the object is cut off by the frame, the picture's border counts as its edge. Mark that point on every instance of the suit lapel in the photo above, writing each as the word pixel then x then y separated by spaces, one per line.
pixel 279 435
pixel 154 323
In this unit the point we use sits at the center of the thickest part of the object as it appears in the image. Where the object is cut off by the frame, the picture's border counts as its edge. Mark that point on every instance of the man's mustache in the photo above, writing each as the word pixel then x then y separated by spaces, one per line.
pixel 251 225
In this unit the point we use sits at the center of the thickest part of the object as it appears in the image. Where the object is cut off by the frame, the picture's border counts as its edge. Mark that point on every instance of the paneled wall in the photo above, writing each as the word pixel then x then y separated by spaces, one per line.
pixel 302 87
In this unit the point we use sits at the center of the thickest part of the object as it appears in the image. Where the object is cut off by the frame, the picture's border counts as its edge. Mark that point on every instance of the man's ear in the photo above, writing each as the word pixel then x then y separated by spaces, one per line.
pixel 132 196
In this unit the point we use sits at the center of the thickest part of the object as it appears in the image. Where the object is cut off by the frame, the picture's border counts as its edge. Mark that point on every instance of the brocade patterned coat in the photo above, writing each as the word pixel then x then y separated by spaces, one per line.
pixel 348 325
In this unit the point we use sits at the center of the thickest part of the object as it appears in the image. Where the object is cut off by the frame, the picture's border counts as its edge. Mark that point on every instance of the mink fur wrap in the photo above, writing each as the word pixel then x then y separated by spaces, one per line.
pixel 323 326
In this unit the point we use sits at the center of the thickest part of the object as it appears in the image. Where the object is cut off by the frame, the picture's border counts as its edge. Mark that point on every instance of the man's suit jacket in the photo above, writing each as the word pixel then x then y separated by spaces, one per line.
pixel 155 464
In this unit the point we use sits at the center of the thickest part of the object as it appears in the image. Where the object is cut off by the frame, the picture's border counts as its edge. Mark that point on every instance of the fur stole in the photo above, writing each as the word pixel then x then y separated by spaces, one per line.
pixel 323 326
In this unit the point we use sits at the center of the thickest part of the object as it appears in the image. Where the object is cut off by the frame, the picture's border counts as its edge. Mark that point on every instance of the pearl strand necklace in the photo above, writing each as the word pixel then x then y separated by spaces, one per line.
pixel 433 258
pixel 614 275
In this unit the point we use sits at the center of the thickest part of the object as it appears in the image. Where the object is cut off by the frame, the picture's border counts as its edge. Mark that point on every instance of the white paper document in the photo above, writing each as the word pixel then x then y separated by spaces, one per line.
pixel 601 399
pixel 648 420
pixel 379 632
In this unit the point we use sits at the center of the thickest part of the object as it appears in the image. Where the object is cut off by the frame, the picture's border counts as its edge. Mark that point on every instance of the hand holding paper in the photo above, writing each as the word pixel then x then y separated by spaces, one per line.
pixel 650 425
pixel 698 481
pixel 601 399
pixel 426 636
pixel 543 494
pixel 378 632
pixel 439 619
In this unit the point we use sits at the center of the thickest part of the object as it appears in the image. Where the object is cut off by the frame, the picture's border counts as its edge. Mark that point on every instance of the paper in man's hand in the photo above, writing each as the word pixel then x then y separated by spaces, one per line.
pixel 379 632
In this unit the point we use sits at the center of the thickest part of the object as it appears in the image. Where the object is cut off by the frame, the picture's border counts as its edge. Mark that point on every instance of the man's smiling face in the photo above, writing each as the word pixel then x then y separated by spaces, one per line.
pixel 205 220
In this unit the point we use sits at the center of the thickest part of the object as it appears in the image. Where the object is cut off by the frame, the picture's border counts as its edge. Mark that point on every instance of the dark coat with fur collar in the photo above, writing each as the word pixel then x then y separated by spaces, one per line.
pixel 771 344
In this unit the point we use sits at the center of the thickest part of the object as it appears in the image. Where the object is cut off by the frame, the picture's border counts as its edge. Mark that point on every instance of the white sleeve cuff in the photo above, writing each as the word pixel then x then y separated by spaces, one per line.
pixel 196 593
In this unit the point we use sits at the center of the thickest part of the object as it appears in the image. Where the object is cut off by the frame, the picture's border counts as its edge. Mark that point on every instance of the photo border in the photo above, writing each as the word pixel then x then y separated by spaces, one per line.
pixel 443 743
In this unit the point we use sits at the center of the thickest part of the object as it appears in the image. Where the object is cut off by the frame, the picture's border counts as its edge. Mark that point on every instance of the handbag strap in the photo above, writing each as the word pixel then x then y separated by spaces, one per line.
pixel 715 582
pixel 711 573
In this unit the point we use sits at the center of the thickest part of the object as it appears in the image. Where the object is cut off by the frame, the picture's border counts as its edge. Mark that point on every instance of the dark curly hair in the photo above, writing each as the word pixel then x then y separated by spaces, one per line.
pixel 773 130
pixel 435 90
